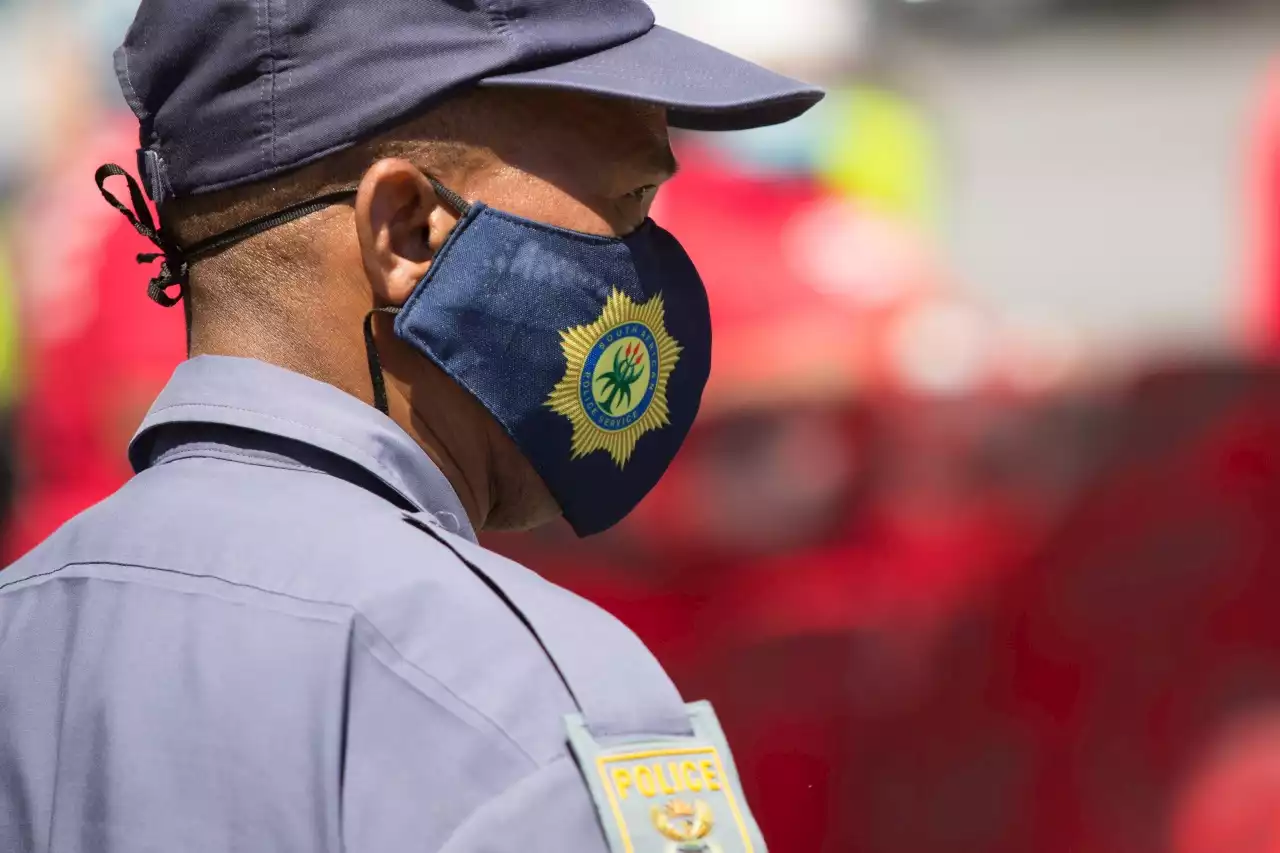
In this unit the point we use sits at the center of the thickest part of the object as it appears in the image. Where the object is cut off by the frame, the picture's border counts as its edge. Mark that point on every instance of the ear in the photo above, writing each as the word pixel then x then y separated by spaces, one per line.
pixel 401 224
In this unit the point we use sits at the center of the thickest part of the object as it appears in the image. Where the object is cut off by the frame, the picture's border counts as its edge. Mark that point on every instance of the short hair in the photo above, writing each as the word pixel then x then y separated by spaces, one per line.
pixel 432 140
pixel 235 289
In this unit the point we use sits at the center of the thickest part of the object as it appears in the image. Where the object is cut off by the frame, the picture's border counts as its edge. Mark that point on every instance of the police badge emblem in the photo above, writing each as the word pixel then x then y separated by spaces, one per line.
pixel 686 824
pixel 614 388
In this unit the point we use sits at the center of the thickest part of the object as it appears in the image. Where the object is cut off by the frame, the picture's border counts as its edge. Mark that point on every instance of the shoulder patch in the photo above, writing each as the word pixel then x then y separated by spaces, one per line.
pixel 670 794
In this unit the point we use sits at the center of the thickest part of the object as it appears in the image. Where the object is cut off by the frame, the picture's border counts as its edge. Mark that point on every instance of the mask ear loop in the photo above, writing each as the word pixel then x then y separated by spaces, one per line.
pixel 462 206
pixel 375 363
pixel 457 202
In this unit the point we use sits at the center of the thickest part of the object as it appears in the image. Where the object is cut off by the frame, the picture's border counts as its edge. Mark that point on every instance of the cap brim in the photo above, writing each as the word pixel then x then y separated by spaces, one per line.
pixel 702 87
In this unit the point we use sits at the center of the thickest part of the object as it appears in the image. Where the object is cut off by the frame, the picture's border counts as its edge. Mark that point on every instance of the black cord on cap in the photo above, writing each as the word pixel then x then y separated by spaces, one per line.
pixel 173 266
pixel 175 261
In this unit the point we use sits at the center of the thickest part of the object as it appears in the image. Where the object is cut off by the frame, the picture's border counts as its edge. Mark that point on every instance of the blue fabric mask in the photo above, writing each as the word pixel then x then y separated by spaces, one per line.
pixel 591 352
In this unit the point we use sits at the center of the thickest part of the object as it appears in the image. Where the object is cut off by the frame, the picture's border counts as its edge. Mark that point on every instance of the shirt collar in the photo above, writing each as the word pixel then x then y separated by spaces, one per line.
pixel 254 395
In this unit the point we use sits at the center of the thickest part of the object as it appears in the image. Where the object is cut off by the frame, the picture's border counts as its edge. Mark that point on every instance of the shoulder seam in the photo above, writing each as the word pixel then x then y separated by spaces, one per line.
pixel 228 454
pixel 504 597
pixel 356 615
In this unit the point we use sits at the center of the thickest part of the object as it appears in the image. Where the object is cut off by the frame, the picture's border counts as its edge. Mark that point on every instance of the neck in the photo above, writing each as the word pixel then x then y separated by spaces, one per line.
pixel 422 400
pixel 458 450
pixel 273 340
pixel 447 423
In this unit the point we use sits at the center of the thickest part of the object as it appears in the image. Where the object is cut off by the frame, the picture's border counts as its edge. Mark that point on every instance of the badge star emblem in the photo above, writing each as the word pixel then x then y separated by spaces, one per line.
pixel 614 388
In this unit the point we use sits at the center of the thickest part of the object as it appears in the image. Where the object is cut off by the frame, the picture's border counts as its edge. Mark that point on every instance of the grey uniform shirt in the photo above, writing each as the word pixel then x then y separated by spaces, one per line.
pixel 281 636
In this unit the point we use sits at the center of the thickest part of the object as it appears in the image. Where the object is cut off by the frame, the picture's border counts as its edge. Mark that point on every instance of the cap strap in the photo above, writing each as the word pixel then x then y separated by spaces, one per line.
pixel 175 262
pixel 173 267
pixel 254 227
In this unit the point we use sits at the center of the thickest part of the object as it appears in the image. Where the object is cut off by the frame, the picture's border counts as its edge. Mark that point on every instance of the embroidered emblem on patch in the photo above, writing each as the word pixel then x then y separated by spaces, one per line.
pixel 676 795
pixel 685 823
pixel 614 388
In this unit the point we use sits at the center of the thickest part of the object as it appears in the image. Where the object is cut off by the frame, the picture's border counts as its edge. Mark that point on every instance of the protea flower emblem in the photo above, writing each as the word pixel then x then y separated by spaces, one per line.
pixel 628 365
pixel 614 388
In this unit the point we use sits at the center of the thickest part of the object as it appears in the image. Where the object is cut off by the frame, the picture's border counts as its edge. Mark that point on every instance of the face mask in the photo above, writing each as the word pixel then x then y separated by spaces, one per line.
pixel 591 352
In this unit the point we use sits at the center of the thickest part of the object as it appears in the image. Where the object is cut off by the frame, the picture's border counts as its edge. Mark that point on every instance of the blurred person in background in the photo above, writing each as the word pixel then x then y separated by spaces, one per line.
pixel 96 351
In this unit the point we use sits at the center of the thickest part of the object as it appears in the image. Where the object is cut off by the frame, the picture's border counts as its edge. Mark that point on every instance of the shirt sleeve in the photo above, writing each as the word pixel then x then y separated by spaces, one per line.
pixel 549 811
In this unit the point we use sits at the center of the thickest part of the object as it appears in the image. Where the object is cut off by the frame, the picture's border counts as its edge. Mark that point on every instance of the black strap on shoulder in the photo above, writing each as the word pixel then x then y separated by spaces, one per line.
pixel 617 684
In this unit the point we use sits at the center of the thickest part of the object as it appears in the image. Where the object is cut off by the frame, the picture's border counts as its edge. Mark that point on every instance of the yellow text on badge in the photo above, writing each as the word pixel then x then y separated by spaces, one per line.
pixel 656 778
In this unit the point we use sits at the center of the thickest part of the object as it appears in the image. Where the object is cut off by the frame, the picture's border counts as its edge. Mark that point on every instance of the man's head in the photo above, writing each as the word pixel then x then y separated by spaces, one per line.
pixel 296 295
pixel 548 345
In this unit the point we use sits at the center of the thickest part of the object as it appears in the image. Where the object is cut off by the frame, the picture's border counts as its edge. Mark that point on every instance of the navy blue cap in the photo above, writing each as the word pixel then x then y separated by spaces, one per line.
pixel 232 91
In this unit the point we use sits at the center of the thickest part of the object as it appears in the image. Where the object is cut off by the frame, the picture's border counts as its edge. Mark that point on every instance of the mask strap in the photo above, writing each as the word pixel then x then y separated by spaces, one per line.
pixel 375 363
pixel 459 204
pixel 454 200
pixel 175 261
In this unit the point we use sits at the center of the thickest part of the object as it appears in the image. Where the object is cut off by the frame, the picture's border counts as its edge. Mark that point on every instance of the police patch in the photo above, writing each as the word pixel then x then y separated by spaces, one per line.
pixel 675 795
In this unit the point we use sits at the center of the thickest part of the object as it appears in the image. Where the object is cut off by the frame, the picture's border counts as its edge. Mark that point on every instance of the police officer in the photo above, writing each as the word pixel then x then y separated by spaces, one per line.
pixel 423 298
